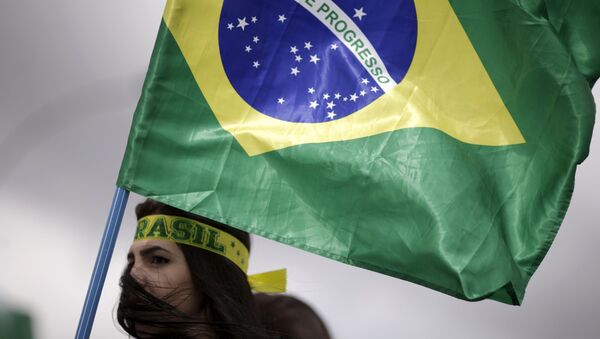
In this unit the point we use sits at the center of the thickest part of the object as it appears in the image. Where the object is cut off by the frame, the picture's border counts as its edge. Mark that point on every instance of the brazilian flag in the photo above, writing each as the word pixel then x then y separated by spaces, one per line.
pixel 434 141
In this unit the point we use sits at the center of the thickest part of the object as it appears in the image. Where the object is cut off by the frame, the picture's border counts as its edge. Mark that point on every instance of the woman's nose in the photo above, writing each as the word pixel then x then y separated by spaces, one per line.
pixel 138 273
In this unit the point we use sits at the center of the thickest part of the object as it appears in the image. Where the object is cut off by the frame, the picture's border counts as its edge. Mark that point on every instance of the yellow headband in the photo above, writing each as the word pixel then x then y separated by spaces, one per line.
pixel 194 233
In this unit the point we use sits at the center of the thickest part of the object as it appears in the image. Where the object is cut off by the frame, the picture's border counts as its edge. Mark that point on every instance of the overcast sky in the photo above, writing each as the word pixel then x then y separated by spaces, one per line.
pixel 70 77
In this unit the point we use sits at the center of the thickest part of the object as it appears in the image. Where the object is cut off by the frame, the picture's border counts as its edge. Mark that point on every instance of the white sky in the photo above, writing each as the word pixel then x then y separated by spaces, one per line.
pixel 70 77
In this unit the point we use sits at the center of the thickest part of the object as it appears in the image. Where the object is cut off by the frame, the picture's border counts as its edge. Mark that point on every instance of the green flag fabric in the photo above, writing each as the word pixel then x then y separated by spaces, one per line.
pixel 428 140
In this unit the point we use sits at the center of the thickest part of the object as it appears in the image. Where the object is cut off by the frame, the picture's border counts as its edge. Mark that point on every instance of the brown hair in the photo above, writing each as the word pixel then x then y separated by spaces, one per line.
pixel 227 301
pixel 289 317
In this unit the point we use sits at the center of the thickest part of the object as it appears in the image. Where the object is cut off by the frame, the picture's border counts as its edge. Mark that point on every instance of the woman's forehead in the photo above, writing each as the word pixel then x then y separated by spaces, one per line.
pixel 139 246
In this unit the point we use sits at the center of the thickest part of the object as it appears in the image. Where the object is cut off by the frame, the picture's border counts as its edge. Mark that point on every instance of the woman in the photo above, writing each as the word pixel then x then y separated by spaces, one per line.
pixel 186 278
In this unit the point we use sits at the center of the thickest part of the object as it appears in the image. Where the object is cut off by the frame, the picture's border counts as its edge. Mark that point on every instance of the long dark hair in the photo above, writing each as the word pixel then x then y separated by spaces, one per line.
pixel 228 309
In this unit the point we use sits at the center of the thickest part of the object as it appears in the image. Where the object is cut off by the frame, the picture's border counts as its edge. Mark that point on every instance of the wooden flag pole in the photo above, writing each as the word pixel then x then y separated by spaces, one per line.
pixel 109 238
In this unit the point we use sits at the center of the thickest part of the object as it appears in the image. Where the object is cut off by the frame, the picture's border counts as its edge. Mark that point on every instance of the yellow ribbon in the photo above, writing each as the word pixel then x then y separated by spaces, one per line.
pixel 269 282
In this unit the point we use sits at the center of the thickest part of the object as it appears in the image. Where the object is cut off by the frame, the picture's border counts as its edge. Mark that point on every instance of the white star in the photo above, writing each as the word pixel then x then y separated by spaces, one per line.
pixel 331 115
pixel 345 98
pixel 282 18
pixel 298 58
pixel 326 96
pixel 337 96
pixel 255 39
pixel 311 90
pixel 358 13
pixel 230 26
pixel 254 19
pixel 314 59
pixel 365 81
pixel 313 104
pixel 353 97
pixel 242 23
pixel 330 105
pixel 363 93
pixel 280 101
pixel 256 64
pixel 293 50
pixel 334 46
pixel 294 71
pixel 374 89
pixel 248 49
pixel 308 45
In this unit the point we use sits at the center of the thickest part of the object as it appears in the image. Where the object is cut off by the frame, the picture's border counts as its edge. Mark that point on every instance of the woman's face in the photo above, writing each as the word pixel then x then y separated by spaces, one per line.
pixel 160 268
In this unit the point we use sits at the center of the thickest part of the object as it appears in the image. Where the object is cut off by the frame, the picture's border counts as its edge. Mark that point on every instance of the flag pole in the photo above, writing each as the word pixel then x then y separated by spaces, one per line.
pixel 107 246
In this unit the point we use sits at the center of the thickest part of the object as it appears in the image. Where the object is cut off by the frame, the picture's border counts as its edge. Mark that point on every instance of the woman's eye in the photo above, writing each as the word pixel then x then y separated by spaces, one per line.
pixel 157 260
